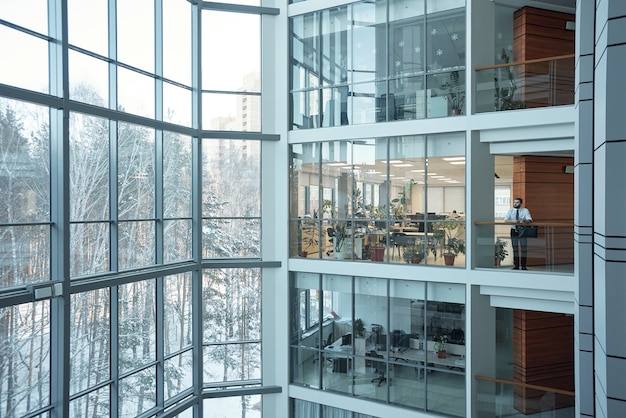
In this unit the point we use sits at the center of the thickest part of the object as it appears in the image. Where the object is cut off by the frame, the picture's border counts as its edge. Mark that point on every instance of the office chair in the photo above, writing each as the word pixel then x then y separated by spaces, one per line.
pixel 326 343
pixel 331 234
pixel 381 369
pixel 401 240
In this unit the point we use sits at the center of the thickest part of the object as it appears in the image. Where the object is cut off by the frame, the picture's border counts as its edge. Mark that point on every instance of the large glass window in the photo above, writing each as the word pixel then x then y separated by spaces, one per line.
pixel 398 199
pixel 110 204
pixel 392 341
pixel 361 64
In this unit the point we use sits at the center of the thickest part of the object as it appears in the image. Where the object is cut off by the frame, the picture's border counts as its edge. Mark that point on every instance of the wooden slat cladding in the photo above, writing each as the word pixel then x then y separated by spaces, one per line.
pixel 549 195
pixel 543 354
pixel 541 34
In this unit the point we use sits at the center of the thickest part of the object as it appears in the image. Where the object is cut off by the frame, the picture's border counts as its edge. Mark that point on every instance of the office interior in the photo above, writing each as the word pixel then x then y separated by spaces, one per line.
pixel 395 341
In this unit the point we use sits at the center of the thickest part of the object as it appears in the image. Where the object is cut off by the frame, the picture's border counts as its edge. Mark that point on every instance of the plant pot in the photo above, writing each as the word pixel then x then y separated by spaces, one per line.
pixel 497 262
pixel 449 259
pixel 304 254
pixel 416 259
pixel 377 253
pixel 455 112
pixel 338 255
pixel 441 354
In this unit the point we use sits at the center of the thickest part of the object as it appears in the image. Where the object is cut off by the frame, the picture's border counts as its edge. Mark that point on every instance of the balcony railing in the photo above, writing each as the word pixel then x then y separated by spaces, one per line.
pixel 527 84
pixel 551 251
pixel 505 398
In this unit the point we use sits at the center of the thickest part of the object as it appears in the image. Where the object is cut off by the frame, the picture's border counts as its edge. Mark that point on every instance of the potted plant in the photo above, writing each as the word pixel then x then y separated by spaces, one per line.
pixel 310 237
pixel 413 253
pixel 455 93
pixel 359 328
pixel 440 346
pixel 339 239
pixel 500 251
pixel 504 95
pixel 452 245
pixel 377 252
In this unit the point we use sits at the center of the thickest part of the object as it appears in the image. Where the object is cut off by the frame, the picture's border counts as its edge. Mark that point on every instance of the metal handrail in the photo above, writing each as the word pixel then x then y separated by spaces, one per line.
pixel 533 61
pixel 525 385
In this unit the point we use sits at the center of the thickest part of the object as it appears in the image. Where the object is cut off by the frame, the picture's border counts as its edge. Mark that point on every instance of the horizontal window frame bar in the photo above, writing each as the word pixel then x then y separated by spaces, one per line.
pixel 238 8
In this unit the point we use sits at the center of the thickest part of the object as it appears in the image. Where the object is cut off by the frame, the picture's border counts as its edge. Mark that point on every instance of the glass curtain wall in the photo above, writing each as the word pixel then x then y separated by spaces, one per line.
pixel 113 199
pixel 392 341
pixel 397 199
pixel 378 61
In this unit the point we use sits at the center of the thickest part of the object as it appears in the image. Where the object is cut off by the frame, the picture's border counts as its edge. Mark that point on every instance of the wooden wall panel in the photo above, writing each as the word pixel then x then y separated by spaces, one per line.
pixel 543 354
pixel 539 34
pixel 549 195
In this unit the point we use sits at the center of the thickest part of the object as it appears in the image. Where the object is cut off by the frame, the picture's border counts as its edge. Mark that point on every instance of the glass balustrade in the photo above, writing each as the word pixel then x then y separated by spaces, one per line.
pixel 505 398
pixel 552 250
pixel 524 85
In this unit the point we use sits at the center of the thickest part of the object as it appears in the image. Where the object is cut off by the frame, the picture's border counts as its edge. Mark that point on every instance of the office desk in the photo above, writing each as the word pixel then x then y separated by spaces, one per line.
pixel 342 355
pixel 413 232
pixel 419 357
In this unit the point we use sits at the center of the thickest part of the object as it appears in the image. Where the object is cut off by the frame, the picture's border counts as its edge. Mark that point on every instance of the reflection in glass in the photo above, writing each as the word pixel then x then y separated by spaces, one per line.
pixel 347 48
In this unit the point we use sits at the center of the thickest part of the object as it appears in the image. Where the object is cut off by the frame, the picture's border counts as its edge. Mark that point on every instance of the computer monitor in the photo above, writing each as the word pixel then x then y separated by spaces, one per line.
pixel 346 339
pixel 400 338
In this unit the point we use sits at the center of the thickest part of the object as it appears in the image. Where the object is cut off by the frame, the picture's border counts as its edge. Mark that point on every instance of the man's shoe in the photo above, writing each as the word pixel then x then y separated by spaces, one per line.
pixel 515 268
pixel 524 268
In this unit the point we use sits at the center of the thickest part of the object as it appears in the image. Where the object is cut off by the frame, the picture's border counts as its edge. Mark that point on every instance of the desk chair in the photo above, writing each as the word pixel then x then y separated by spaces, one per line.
pixel 326 343
pixel 381 369
pixel 401 240
pixel 331 234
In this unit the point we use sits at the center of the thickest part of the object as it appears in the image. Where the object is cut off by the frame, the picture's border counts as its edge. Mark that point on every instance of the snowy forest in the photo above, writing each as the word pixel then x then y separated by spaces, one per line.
pixel 130 207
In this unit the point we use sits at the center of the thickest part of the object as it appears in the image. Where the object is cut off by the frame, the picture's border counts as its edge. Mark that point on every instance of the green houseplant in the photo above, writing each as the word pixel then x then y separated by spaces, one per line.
pixel 500 251
pixel 454 93
pixel 339 240
pixel 414 253
pixel 440 346
pixel 504 95
pixel 452 244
